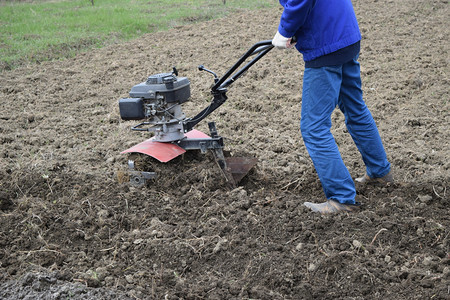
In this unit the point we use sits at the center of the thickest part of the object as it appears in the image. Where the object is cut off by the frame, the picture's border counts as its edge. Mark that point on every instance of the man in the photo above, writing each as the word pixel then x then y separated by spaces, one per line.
pixel 329 39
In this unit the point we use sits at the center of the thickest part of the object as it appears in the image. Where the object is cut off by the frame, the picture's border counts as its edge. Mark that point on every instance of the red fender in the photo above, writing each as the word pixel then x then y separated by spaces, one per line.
pixel 163 152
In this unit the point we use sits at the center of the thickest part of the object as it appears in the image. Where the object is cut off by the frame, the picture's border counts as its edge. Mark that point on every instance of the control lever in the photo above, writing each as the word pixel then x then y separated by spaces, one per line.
pixel 202 68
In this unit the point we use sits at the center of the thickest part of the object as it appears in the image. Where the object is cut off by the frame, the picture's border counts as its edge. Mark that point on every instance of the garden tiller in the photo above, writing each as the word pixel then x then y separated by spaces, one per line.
pixel 158 102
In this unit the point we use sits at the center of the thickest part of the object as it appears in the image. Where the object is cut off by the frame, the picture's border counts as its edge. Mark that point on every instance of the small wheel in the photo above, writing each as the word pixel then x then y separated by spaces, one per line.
pixel 137 180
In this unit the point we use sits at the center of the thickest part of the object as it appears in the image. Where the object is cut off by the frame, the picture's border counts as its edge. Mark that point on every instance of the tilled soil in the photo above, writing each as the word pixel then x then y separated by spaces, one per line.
pixel 72 227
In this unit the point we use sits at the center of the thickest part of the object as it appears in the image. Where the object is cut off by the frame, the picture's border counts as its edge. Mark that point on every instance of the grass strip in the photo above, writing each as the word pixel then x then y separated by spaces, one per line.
pixel 35 31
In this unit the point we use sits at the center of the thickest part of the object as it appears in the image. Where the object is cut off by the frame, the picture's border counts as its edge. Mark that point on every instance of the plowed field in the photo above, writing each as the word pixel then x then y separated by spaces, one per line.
pixel 73 228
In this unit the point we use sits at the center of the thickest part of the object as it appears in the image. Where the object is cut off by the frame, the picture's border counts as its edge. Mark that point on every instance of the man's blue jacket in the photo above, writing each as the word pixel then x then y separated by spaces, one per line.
pixel 321 26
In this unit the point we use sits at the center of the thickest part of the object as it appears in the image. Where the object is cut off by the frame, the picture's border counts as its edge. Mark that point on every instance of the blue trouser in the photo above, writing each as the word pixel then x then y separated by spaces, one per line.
pixel 323 89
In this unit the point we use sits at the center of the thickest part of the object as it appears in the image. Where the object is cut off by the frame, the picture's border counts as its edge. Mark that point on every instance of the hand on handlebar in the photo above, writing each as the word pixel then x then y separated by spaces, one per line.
pixel 282 42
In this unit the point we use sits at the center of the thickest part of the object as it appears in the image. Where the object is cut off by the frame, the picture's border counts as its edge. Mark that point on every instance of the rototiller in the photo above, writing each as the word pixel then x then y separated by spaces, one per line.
pixel 158 101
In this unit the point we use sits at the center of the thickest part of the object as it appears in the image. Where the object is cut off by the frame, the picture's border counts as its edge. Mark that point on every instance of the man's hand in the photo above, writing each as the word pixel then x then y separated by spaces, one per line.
pixel 282 42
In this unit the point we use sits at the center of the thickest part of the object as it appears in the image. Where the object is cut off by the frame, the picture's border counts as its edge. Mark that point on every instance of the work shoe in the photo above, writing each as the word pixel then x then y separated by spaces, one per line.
pixel 331 207
pixel 388 178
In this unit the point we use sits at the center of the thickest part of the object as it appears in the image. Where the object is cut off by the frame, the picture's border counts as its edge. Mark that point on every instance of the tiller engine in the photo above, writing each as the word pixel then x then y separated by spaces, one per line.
pixel 158 102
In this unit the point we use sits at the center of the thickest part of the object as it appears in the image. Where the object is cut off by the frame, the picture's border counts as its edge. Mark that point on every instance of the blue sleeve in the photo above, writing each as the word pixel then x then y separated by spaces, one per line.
pixel 294 15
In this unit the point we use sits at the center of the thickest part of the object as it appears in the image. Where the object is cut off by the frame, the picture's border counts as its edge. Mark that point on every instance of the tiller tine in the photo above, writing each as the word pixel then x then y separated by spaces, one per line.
pixel 234 168
pixel 240 166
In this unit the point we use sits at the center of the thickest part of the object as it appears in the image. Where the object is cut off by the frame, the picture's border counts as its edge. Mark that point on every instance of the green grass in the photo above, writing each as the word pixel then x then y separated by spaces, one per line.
pixel 35 31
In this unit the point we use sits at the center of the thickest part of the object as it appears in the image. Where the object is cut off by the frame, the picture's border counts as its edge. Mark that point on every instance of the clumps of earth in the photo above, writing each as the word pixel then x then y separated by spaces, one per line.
pixel 54 286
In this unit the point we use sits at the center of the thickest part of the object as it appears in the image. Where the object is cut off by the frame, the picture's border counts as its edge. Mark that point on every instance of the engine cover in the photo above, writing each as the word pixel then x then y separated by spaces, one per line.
pixel 172 88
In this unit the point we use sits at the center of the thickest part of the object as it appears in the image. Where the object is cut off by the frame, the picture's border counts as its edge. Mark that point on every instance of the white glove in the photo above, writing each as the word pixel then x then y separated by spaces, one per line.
pixel 282 42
